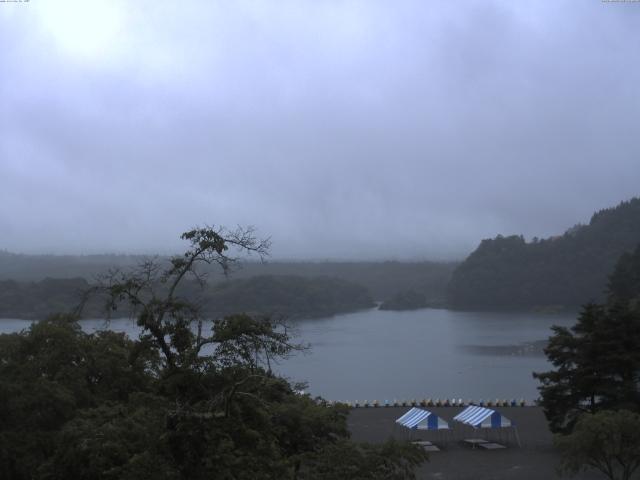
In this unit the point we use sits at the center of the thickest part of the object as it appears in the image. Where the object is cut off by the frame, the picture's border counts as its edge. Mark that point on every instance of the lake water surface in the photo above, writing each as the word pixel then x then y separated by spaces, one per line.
pixel 428 353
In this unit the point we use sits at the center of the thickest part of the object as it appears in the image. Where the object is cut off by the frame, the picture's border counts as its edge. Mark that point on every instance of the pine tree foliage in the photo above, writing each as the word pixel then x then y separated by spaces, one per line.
pixel 597 361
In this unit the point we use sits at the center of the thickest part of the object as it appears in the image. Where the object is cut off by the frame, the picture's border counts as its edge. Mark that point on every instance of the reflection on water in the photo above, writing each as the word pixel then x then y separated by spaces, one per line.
pixel 382 355
pixel 535 348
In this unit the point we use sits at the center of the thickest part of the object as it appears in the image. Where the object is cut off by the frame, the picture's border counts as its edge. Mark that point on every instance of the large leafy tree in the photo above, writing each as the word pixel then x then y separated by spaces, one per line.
pixel 188 400
pixel 608 441
pixel 390 461
pixel 151 291
pixel 52 372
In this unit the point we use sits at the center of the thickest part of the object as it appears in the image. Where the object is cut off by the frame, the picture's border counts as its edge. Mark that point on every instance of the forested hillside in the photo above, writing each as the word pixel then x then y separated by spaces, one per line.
pixel 286 295
pixel 22 267
pixel 281 296
pixel 409 300
pixel 564 271
pixel 37 300
pixel 381 279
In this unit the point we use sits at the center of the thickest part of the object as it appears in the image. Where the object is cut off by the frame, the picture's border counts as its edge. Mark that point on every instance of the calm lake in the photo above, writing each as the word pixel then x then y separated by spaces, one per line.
pixel 429 353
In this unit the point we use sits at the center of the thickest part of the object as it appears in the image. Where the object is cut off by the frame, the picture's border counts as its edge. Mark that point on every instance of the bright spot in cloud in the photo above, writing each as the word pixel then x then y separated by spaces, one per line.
pixel 81 28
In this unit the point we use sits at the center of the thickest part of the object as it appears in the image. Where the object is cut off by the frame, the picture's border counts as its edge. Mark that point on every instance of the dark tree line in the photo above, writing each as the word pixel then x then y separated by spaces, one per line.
pixel 408 300
pixel 564 271
pixel 290 296
pixel 381 279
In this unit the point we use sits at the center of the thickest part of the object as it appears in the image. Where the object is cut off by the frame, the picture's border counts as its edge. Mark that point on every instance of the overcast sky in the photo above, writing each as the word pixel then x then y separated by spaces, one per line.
pixel 342 129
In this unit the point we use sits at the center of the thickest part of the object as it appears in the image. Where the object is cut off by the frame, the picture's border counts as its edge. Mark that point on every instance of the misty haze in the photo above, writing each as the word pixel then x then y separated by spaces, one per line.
pixel 244 239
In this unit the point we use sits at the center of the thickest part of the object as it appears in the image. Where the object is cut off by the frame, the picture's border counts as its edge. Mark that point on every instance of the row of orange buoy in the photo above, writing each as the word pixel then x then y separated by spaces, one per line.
pixel 428 402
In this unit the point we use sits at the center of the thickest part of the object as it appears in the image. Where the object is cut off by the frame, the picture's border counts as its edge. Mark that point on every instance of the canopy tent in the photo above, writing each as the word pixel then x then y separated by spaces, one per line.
pixel 419 419
pixel 481 417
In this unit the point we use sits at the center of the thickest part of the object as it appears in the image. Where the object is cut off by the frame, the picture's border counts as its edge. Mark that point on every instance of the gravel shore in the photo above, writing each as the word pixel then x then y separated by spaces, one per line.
pixel 535 460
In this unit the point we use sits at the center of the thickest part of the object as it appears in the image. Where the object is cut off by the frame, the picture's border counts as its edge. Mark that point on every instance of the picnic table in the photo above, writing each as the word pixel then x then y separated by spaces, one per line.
pixel 474 442
pixel 491 446
pixel 427 445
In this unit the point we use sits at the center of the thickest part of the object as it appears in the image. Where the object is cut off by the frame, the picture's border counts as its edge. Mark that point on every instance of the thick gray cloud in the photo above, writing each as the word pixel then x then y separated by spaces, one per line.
pixel 342 129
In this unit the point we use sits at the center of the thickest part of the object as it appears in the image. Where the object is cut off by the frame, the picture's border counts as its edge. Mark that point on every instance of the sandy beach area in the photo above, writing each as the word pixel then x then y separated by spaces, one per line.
pixel 536 459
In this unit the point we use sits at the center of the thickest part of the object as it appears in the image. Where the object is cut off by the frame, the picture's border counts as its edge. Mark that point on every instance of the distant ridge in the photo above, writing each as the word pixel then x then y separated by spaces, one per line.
pixel 559 272
pixel 32 286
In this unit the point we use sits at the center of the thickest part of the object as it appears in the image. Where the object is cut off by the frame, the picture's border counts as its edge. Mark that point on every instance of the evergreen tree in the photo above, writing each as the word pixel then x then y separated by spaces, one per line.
pixel 597 361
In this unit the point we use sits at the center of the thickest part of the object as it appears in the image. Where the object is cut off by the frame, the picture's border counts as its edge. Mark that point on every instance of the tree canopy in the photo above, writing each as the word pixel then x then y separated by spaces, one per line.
pixel 608 441
pixel 188 399
pixel 597 361
pixel 407 300
pixel 563 272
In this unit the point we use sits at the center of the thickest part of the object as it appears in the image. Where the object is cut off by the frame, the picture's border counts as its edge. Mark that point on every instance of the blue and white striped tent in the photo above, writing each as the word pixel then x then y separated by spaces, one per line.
pixel 419 419
pixel 481 417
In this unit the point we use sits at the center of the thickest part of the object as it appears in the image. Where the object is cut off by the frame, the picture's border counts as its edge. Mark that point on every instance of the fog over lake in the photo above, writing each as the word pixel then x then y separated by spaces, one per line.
pixel 428 353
